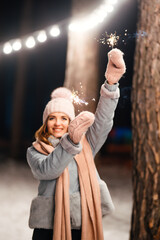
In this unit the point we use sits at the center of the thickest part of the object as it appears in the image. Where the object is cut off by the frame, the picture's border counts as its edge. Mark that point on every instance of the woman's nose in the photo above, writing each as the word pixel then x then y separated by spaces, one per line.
pixel 58 121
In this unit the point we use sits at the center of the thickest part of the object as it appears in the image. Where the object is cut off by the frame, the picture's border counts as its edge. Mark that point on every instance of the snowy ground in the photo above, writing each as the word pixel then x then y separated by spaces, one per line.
pixel 18 187
pixel 117 225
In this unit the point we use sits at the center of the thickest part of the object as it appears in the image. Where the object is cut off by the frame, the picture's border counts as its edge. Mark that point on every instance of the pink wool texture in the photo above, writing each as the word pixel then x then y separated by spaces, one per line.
pixel 62 92
pixel 80 125
pixel 116 66
pixel 61 101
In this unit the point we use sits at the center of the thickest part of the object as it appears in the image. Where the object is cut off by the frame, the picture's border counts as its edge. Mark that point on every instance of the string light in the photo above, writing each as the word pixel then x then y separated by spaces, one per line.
pixel 55 31
pixel 30 42
pixel 17 45
pixel 42 37
pixel 96 17
pixel 92 20
pixel 110 8
pixel 7 49
pixel 112 1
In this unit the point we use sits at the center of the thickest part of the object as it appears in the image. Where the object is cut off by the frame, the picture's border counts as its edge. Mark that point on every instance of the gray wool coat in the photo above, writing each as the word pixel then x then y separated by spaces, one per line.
pixel 48 168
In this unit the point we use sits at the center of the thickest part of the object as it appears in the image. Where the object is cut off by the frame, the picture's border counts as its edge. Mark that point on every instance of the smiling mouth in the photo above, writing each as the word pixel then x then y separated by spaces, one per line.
pixel 57 129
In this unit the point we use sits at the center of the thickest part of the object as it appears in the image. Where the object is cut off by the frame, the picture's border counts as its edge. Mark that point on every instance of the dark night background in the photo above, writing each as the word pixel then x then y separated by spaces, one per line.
pixel 46 63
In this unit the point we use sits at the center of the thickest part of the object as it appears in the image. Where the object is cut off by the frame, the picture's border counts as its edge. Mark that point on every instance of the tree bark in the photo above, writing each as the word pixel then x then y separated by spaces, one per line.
pixel 19 90
pixel 146 125
pixel 82 61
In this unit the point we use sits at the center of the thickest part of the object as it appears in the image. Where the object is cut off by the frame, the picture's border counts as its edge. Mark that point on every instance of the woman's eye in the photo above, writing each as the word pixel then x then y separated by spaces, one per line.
pixel 64 118
pixel 51 118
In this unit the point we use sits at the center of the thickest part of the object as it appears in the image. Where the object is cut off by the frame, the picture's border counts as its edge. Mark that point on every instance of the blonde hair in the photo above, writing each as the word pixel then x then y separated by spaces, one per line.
pixel 42 133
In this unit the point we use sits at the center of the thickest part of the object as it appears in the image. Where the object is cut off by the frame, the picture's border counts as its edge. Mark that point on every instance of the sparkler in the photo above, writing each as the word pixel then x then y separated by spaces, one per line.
pixel 112 39
pixel 76 99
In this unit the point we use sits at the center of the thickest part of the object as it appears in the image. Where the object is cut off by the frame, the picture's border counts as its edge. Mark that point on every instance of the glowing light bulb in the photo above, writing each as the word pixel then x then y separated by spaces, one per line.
pixel 79 25
pixel 72 26
pixel 30 42
pixel 100 15
pixel 42 37
pixel 110 8
pixel 17 45
pixel 7 49
pixel 55 31
pixel 85 24
pixel 96 17
pixel 112 1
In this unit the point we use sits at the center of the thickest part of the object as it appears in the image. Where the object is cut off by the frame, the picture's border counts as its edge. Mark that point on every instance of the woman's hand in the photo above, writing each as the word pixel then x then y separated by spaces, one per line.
pixel 80 125
pixel 115 67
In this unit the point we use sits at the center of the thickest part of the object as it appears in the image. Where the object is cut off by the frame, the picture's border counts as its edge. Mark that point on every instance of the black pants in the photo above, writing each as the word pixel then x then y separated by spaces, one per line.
pixel 47 234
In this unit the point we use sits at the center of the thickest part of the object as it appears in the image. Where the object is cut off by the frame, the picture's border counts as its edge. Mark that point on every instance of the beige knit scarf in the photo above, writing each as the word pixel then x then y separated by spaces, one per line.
pixel 90 197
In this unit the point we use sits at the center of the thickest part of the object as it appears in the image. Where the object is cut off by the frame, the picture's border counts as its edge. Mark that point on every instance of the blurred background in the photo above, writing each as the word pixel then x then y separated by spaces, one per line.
pixel 27 78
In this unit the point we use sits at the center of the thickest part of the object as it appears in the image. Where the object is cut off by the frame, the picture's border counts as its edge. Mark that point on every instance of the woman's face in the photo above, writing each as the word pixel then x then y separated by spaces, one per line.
pixel 57 124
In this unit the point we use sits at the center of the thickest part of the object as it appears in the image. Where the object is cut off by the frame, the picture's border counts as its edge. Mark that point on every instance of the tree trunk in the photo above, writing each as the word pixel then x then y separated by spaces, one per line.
pixel 146 125
pixel 19 90
pixel 82 61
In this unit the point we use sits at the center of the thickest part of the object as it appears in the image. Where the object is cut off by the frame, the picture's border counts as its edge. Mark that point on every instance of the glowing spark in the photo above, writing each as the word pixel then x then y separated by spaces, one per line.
pixel 132 36
pixel 76 99
pixel 111 39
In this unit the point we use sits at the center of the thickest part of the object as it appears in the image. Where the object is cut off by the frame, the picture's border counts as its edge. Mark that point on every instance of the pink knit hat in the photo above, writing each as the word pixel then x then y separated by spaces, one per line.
pixel 61 101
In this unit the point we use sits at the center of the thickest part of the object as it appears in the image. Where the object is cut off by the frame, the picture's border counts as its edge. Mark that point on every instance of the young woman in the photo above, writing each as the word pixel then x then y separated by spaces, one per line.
pixel 71 196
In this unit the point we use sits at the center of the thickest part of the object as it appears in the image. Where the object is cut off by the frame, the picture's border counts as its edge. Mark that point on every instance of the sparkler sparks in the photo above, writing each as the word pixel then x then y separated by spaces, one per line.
pixel 138 35
pixel 76 99
pixel 112 39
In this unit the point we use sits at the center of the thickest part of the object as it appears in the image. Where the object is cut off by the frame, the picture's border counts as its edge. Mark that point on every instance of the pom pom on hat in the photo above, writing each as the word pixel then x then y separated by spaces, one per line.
pixel 61 101
pixel 62 92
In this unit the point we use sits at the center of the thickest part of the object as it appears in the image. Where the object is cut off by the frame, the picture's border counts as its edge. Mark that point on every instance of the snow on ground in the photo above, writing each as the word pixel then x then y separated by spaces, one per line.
pixel 18 187
pixel 117 225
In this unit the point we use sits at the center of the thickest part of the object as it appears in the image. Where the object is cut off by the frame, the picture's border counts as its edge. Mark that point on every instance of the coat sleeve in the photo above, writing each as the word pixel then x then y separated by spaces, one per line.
pixel 52 166
pixel 98 132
